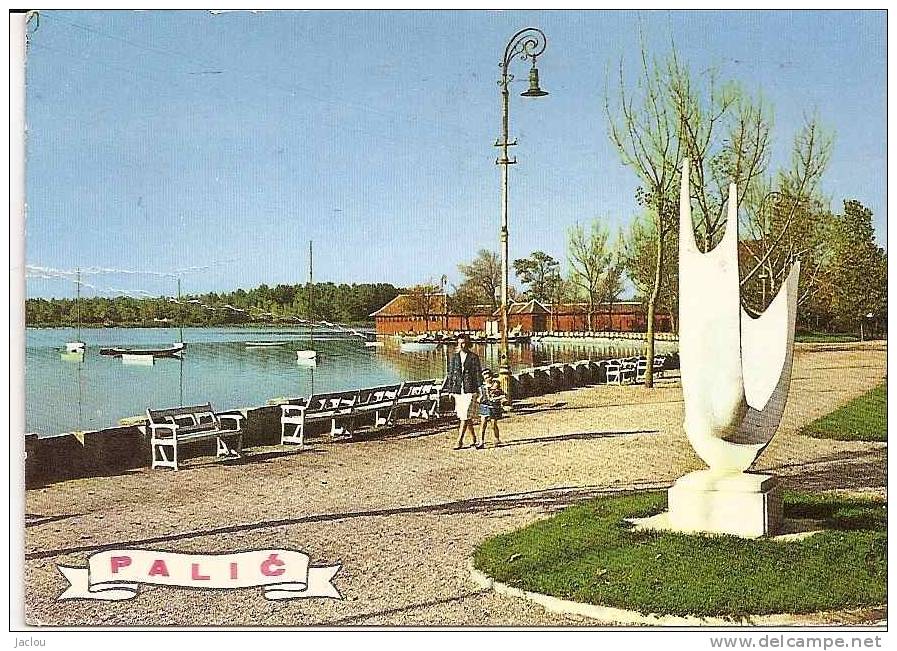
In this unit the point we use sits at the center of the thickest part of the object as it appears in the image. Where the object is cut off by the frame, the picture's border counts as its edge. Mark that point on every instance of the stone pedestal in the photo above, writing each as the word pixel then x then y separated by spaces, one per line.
pixel 742 504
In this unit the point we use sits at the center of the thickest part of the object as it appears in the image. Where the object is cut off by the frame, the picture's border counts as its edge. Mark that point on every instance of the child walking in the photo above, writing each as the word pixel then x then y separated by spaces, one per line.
pixel 491 400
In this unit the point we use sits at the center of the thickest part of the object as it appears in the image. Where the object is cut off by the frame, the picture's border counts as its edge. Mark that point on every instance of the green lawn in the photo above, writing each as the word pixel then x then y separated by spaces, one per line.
pixel 588 553
pixel 824 337
pixel 863 419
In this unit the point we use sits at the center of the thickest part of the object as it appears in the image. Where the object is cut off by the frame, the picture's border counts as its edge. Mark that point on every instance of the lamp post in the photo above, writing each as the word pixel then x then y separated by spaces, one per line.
pixel 528 43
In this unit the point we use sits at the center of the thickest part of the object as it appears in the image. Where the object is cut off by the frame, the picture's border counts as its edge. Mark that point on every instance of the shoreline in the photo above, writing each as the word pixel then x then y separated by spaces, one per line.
pixel 402 512
pixel 170 326
pixel 125 446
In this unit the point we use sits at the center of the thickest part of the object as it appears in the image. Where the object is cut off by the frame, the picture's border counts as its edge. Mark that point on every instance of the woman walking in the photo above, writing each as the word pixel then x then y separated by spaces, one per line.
pixel 464 381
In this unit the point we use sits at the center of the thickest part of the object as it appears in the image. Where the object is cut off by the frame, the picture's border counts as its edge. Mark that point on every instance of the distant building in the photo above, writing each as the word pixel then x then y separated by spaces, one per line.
pixel 621 316
pixel 418 313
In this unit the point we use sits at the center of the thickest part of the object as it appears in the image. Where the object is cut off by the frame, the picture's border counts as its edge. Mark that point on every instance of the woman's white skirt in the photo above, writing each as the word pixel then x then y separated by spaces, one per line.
pixel 465 405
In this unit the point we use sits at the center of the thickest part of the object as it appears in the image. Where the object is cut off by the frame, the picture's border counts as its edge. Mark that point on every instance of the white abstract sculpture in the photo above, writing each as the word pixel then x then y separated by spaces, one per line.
pixel 736 371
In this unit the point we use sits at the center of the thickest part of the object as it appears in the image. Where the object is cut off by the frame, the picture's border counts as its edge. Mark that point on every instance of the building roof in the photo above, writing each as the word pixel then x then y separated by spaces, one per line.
pixel 618 307
pixel 410 305
pixel 529 307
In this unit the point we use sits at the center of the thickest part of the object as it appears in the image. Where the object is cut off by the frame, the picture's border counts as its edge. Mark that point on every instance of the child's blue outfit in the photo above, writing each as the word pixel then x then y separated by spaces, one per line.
pixel 490 408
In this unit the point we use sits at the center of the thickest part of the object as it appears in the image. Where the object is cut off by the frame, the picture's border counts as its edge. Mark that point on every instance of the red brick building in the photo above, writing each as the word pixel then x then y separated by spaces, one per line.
pixel 410 313
pixel 622 316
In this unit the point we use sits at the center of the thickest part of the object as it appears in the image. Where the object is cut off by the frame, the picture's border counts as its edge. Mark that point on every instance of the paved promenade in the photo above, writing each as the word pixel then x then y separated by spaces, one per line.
pixel 403 513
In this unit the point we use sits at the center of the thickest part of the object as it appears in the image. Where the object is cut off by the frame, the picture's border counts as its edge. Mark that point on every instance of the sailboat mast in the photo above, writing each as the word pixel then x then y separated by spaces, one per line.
pixel 180 313
pixel 78 300
pixel 311 294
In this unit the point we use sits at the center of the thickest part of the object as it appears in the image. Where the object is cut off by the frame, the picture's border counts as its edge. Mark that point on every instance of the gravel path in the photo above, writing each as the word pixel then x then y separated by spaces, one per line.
pixel 404 513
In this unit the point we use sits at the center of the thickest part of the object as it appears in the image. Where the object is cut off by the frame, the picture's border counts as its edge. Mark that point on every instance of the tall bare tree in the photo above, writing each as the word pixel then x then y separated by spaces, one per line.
pixel 464 301
pixel 724 133
pixel 484 272
pixel 669 115
pixel 591 260
pixel 786 219
pixel 644 127
pixel 425 300
pixel 639 253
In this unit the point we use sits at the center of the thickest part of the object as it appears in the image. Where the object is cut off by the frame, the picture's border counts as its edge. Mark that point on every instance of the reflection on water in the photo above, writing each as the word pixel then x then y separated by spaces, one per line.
pixel 219 368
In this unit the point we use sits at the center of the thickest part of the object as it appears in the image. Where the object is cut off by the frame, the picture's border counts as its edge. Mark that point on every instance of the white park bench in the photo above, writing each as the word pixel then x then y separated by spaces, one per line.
pixel 422 397
pixel 657 367
pixel 338 407
pixel 380 402
pixel 172 428
pixel 620 371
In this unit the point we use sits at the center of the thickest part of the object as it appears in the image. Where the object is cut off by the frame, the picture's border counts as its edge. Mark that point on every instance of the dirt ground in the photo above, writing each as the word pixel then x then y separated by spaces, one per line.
pixel 403 512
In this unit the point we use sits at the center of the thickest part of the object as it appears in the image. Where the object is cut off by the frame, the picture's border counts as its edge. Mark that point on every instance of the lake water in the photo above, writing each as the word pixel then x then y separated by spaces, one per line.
pixel 218 367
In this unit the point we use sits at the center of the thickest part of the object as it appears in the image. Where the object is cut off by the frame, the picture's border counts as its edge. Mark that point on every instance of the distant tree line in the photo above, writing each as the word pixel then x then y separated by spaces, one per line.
pixel 320 301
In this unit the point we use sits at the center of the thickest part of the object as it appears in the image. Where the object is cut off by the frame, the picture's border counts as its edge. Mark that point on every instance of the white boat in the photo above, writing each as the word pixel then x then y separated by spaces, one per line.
pixel 264 344
pixel 167 351
pixel 74 347
pixel 309 357
pixel 416 347
pixel 373 344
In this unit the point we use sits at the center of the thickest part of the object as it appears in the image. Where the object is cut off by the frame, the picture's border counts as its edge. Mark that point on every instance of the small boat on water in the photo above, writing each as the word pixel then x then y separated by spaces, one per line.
pixel 309 357
pixel 417 346
pixel 264 344
pixel 74 350
pixel 168 351
pixel 75 347
pixel 373 344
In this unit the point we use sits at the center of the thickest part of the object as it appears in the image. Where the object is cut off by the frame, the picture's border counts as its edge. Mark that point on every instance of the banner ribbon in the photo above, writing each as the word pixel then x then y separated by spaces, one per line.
pixel 115 575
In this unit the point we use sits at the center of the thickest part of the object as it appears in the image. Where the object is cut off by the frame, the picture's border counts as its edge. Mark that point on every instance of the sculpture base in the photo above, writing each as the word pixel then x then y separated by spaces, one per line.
pixel 741 504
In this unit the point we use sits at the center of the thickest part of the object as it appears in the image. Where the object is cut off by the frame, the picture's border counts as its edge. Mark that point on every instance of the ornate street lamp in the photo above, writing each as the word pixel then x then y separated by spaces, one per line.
pixel 528 43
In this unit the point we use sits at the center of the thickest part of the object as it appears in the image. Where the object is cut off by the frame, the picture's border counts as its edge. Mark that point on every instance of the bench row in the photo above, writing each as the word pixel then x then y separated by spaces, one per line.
pixel 344 409
pixel 379 406
pixel 170 429
pixel 555 377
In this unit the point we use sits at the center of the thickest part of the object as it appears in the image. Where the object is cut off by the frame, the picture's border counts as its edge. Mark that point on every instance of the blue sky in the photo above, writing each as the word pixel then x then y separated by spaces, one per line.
pixel 161 140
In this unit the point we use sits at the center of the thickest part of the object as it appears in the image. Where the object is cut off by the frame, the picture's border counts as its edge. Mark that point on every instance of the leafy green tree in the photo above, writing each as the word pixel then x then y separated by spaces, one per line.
pixel 345 303
pixel 860 270
pixel 610 288
pixel 539 271
pixel 561 291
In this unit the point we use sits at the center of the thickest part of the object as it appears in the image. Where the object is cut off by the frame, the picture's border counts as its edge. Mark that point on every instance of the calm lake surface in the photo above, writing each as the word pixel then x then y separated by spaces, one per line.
pixel 64 396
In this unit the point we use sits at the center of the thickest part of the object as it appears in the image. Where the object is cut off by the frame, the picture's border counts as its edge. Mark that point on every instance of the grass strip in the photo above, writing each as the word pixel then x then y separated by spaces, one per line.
pixel 862 419
pixel 588 553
